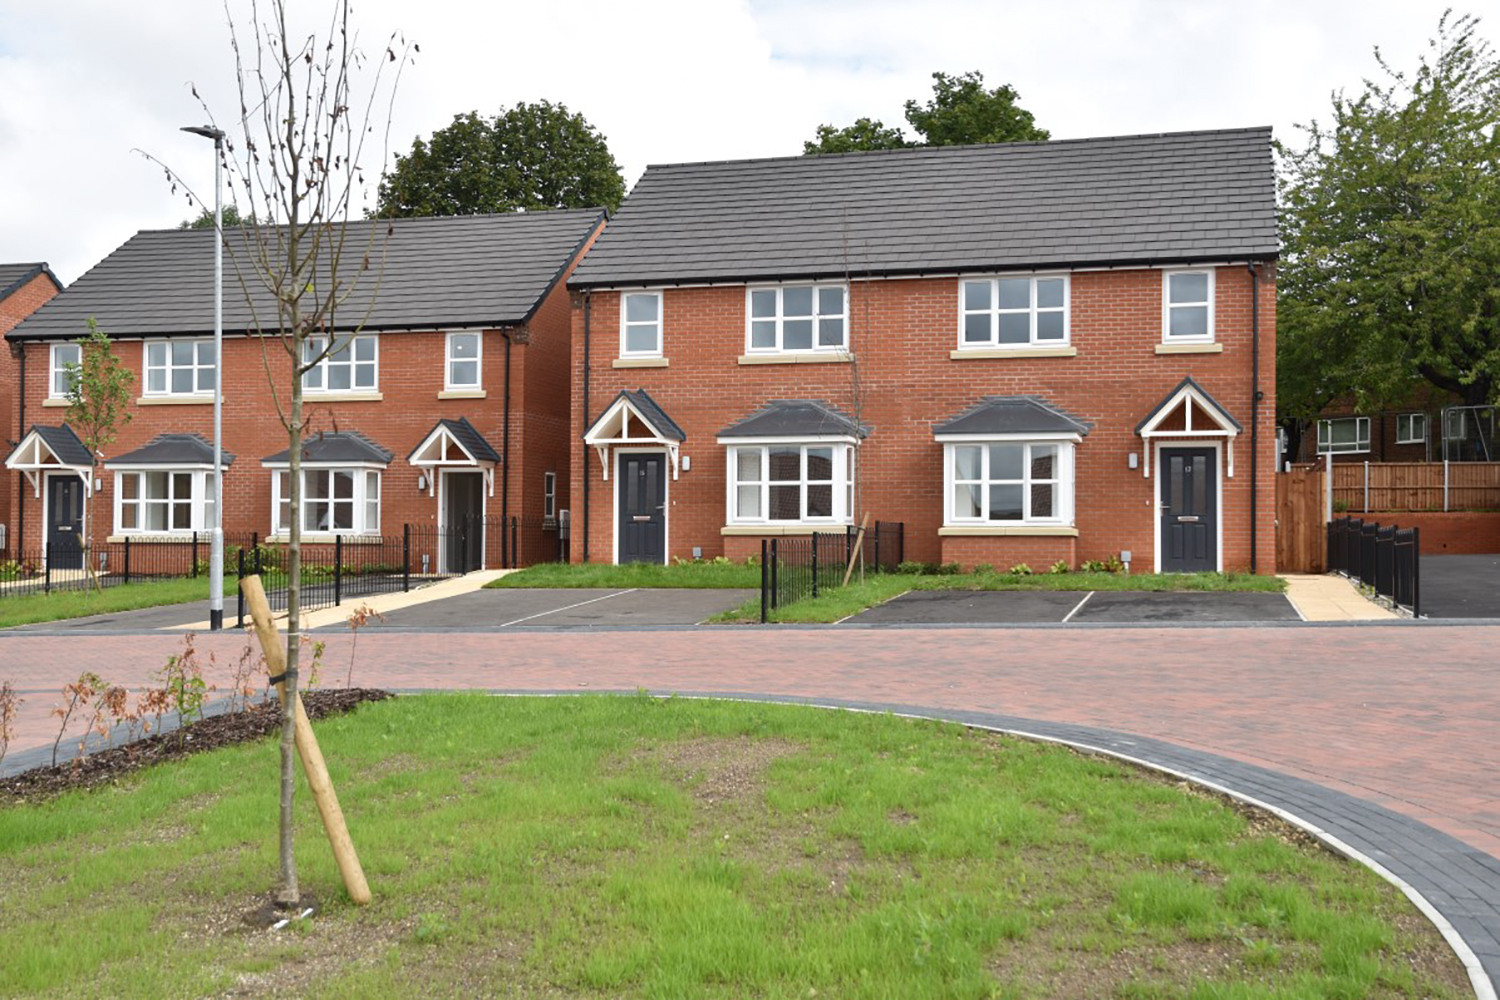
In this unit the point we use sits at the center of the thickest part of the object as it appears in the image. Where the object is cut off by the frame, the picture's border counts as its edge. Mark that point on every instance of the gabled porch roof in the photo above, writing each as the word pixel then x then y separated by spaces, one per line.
pixel 455 444
pixel 1188 412
pixel 635 419
pixel 51 449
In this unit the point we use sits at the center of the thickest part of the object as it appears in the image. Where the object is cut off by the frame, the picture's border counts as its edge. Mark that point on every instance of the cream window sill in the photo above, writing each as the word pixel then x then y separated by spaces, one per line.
pixel 1189 348
pixel 184 400
pixel 462 394
pixel 342 397
pixel 326 538
pixel 55 402
pixel 1022 530
pixel 769 530
pixel 640 362
pixel 969 353
pixel 828 358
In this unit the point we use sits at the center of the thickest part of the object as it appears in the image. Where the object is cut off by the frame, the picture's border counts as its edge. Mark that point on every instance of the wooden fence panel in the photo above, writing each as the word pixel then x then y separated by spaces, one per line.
pixel 1301 538
pixel 1415 486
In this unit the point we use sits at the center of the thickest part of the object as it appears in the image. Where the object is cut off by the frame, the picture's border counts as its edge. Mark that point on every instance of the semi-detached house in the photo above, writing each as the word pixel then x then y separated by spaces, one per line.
pixel 446 400
pixel 1026 353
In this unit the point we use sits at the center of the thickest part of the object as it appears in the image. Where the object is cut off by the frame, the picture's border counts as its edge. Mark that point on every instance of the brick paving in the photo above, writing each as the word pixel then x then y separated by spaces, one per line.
pixel 1361 730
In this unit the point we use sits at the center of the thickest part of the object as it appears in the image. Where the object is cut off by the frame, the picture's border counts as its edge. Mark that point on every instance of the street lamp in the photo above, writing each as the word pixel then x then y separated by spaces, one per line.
pixel 216 530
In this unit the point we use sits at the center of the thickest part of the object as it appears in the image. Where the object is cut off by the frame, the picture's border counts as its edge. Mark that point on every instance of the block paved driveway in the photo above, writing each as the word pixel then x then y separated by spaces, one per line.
pixel 1361 728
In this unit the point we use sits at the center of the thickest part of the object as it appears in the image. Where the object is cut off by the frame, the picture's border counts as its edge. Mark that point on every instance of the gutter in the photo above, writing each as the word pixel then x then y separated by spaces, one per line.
pixel 505 460
pixel 1255 397
pixel 587 303
pixel 21 480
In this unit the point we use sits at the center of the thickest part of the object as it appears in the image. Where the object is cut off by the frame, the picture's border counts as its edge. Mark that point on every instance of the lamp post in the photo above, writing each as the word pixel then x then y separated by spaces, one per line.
pixel 216 530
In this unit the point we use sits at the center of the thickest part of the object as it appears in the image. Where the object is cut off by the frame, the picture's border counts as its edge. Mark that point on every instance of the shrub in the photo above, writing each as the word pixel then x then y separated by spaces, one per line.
pixel 984 568
pixel 1020 569
pixel 1059 567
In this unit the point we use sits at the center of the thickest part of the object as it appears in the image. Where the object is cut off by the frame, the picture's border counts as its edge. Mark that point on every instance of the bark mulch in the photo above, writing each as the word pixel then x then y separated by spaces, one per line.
pixel 106 767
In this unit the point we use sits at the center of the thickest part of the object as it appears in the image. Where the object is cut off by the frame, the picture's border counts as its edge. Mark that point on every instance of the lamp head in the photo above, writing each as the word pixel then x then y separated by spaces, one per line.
pixel 207 131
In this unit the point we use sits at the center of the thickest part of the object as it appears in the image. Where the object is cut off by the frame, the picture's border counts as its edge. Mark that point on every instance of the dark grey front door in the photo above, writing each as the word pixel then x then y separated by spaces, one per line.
pixel 1189 510
pixel 643 507
pixel 65 522
pixel 463 520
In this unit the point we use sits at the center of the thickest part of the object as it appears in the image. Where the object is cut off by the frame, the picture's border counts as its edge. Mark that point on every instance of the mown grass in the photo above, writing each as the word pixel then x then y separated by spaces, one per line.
pixel 705 575
pixel 877 588
pixel 27 609
pixel 635 847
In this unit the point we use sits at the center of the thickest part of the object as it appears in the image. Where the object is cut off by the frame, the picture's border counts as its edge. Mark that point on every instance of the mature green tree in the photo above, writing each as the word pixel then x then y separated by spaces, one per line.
pixel 205 219
pixel 532 156
pixel 1391 237
pixel 961 111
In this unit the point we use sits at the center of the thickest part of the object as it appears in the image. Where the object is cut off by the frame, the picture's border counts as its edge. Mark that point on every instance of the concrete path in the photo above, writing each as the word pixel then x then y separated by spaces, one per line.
pixel 1329 598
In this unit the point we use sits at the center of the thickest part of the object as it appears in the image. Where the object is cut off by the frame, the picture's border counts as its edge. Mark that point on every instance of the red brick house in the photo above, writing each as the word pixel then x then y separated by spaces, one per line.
pixel 1026 353
pixel 23 290
pixel 449 404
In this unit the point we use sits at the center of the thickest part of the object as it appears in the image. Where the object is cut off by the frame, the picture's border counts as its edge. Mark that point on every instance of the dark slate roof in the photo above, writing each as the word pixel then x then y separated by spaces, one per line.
pixel 796 418
pixel 173 449
pixel 459 271
pixel 652 411
pixel 335 446
pixel 1013 415
pixel 1145 199
pixel 467 435
pixel 13 276
pixel 1188 381
pixel 63 443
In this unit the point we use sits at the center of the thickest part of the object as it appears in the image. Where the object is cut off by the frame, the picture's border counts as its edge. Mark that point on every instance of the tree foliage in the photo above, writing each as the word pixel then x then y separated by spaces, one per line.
pixel 1391 236
pixel 961 111
pixel 529 157
pixel 205 219
pixel 98 391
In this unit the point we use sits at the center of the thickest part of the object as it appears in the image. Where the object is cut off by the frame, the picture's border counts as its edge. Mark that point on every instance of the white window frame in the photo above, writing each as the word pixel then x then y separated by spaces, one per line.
pixel 316 345
pixel 57 373
pixel 841 485
pixel 362 521
pixel 626 324
pixel 1063 496
pixel 200 499
pixel 1167 306
pixel 168 367
pixel 549 495
pixel 1361 436
pixel 1413 420
pixel 994 312
pixel 449 384
pixel 780 319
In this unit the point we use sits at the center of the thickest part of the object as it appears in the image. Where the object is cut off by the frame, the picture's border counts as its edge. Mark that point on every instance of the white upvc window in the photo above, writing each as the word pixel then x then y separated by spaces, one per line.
pixel 640 324
pixel 1000 482
pixel 1340 435
pixel 335 500
pixel 1015 312
pixel 163 501
pixel 59 379
pixel 549 495
pixel 179 367
pixel 788 482
pixel 1187 306
pixel 463 357
pixel 1411 428
pixel 787 319
pixel 351 367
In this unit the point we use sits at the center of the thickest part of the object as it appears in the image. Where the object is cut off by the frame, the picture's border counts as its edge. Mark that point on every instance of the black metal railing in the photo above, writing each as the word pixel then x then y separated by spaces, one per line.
pixel 792 569
pixel 1386 559
pixel 61 567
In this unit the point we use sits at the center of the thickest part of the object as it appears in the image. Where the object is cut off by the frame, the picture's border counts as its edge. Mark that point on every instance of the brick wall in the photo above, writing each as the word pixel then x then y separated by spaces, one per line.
pixel 904 382
pixel 13 308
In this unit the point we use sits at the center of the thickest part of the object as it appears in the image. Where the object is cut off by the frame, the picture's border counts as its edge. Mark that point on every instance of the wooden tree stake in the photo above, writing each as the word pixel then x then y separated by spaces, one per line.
pixel 859 540
pixel 307 748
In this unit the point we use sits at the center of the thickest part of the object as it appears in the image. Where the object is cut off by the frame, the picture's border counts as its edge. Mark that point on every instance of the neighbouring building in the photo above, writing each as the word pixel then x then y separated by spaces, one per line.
pixel 23 290
pixel 445 399
pixel 1026 353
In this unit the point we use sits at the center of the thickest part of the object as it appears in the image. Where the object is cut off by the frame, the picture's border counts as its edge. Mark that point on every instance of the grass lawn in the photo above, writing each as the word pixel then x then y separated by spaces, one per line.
pixel 29 608
pixel 634 847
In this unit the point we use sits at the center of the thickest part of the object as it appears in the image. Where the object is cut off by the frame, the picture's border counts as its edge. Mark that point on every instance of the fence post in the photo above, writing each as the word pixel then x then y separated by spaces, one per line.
pixel 1416 572
pixel 1327 486
pixel 765 579
pixel 815 563
pixel 195 556
pixel 127 558
pixel 878 564
pixel 47 567
pixel 405 558
pixel 775 575
pixel 1445 484
pixel 1367 487
pixel 514 555
pixel 338 570
pixel 239 591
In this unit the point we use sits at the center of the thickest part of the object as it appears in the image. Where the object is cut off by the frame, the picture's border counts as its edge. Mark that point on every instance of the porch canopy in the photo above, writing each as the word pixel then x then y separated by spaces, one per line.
pixel 455 444
pixel 51 449
pixel 634 419
pixel 1189 413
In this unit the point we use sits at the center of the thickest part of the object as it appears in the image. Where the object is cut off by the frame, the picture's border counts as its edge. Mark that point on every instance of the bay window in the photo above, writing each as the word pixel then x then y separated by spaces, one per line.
pixel 163 501
pixel 999 482
pixel 334 501
pixel 789 482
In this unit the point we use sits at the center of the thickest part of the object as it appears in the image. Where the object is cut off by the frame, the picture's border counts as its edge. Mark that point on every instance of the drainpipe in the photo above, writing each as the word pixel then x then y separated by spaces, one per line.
pixel 588 300
pixel 1255 397
pixel 505 459
pixel 21 430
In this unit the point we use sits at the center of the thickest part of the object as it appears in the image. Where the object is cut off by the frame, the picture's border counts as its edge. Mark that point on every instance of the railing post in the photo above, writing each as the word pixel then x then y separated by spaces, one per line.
pixel 338 570
pixel 815 564
pixel 515 557
pixel 775 575
pixel 1416 572
pixel 765 580
pixel 239 591
pixel 127 558
pixel 405 558
pixel 47 567
pixel 255 541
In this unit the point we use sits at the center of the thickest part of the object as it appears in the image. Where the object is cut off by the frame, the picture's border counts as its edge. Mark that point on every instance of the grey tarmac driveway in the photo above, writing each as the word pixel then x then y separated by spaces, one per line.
pixel 562 608
pixel 1017 607
pixel 1460 586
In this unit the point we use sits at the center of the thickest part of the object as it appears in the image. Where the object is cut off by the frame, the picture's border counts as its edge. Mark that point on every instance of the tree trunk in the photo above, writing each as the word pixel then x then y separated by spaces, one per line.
pixel 288 893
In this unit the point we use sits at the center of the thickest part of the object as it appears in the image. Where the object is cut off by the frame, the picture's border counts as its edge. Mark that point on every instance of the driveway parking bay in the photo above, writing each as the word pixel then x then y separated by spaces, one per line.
pixel 1016 607
pixel 563 608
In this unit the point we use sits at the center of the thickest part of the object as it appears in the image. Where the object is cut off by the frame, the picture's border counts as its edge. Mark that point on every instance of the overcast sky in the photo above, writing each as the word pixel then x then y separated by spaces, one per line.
pixel 84 84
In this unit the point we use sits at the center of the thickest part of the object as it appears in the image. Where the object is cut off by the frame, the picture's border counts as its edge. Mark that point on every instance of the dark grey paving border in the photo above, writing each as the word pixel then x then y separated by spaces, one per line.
pixel 1456 886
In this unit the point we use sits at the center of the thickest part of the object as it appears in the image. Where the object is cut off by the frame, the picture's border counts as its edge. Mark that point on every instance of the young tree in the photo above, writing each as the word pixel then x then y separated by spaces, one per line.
pixel 307 105
pixel 961 111
pixel 1391 236
pixel 98 406
pixel 532 156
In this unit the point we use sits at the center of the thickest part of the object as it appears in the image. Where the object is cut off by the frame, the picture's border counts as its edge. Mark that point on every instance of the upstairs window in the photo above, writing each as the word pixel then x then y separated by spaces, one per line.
pixel 1343 435
pixel 797 318
pixel 463 361
pixel 60 379
pixel 351 367
pixel 640 325
pixel 1014 312
pixel 1187 306
pixel 179 367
